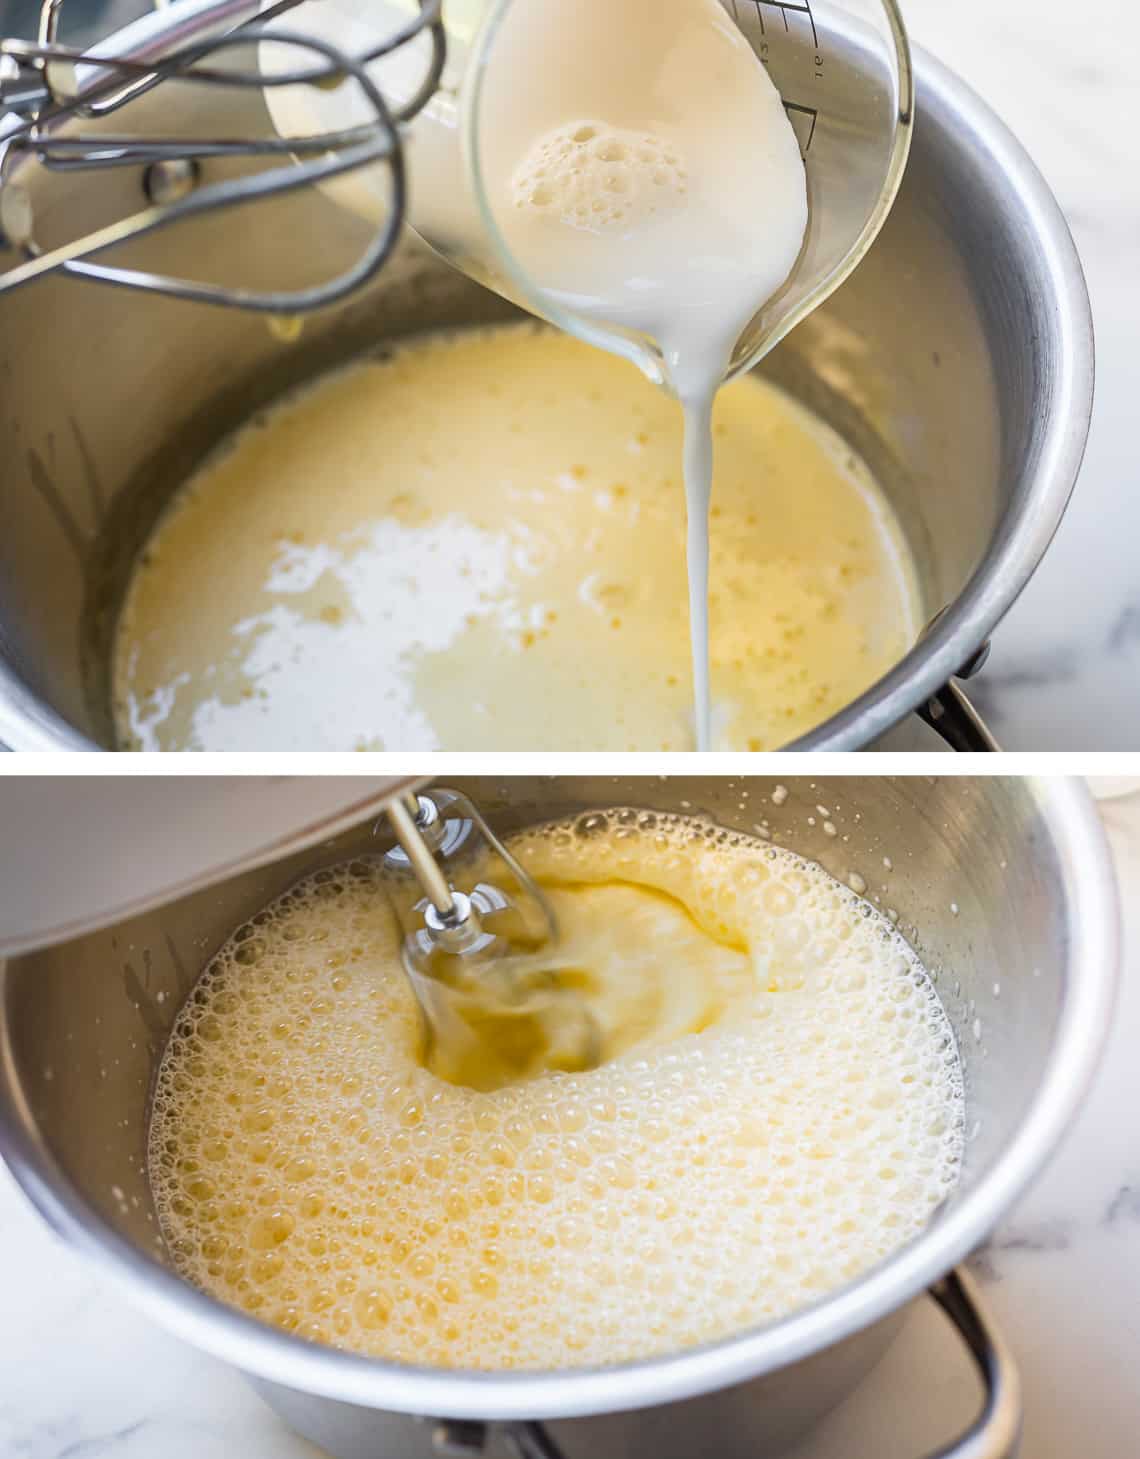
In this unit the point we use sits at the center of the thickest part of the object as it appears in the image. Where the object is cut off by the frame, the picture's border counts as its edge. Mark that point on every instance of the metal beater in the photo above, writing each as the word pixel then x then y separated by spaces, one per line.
pixel 481 961
pixel 45 85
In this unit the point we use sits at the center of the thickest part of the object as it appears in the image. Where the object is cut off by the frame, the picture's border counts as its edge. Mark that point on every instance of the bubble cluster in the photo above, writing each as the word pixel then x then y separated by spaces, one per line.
pixel 591 175
pixel 308 1169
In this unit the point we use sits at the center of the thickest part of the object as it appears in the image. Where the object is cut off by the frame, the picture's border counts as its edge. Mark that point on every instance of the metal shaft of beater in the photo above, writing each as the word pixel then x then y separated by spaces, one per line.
pixel 403 820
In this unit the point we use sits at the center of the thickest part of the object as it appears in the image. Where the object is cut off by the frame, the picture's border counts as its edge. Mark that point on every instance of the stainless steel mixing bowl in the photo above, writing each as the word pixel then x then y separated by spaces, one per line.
pixel 1008 882
pixel 957 359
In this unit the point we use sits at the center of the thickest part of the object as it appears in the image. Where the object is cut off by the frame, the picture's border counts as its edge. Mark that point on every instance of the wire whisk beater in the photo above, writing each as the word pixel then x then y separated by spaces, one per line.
pixel 52 93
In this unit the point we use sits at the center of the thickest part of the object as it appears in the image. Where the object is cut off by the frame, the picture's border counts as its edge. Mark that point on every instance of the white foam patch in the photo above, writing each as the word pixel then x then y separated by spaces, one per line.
pixel 307 1169
pixel 606 179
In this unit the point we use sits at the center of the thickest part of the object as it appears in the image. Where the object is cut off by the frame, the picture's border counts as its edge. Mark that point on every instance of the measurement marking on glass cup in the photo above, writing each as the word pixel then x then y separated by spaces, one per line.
pixel 794 110
pixel 783 6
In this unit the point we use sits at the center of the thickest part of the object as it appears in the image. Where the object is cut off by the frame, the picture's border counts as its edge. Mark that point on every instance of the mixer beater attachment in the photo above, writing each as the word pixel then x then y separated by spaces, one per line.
pixel 482 962
pixel 48 90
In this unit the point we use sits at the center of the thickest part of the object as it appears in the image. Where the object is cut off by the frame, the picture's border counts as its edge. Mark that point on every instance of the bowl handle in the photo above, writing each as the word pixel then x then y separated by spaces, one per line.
pixel 993 1435
pixel 995 1432
pixel 950 714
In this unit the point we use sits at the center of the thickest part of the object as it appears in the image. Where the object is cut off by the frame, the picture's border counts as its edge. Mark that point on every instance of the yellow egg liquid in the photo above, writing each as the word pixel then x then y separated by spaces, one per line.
pixel 779 1107
pixel 480 544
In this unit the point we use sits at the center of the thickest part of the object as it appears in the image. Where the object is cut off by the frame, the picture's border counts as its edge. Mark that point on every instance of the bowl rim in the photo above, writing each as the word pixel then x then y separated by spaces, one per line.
pixel 1092 957
pixel 28 723
pixel 1023 534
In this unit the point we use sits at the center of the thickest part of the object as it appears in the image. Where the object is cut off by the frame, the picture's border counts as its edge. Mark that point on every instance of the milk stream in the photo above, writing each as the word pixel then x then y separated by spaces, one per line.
pixel 641 170
pixel 779 1107
pixel 698 496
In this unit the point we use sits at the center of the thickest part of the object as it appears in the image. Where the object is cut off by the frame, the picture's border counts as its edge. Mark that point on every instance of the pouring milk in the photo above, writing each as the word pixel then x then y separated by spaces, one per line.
pixel 643 177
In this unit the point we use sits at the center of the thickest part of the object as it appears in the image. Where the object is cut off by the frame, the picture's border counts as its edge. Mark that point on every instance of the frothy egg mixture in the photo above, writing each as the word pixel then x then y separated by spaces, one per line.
pixel 779 1107
pixel 480 543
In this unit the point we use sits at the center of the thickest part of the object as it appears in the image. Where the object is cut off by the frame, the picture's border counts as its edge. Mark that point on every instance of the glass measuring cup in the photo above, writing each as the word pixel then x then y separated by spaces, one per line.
pixel 842 68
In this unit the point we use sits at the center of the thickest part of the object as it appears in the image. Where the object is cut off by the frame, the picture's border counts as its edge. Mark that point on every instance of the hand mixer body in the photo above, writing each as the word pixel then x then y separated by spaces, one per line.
pixel 89 855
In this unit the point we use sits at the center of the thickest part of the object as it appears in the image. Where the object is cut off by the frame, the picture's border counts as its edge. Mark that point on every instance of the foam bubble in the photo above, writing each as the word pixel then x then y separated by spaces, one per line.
pixel 788 1135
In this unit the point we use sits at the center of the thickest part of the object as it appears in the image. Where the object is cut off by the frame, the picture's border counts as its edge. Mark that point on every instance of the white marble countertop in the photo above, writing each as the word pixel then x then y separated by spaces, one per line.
pixel 1065 669
pixel 85 1377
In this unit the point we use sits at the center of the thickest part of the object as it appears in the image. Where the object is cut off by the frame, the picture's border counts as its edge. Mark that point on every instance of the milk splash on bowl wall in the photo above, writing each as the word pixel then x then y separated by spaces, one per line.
pixel 638 164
